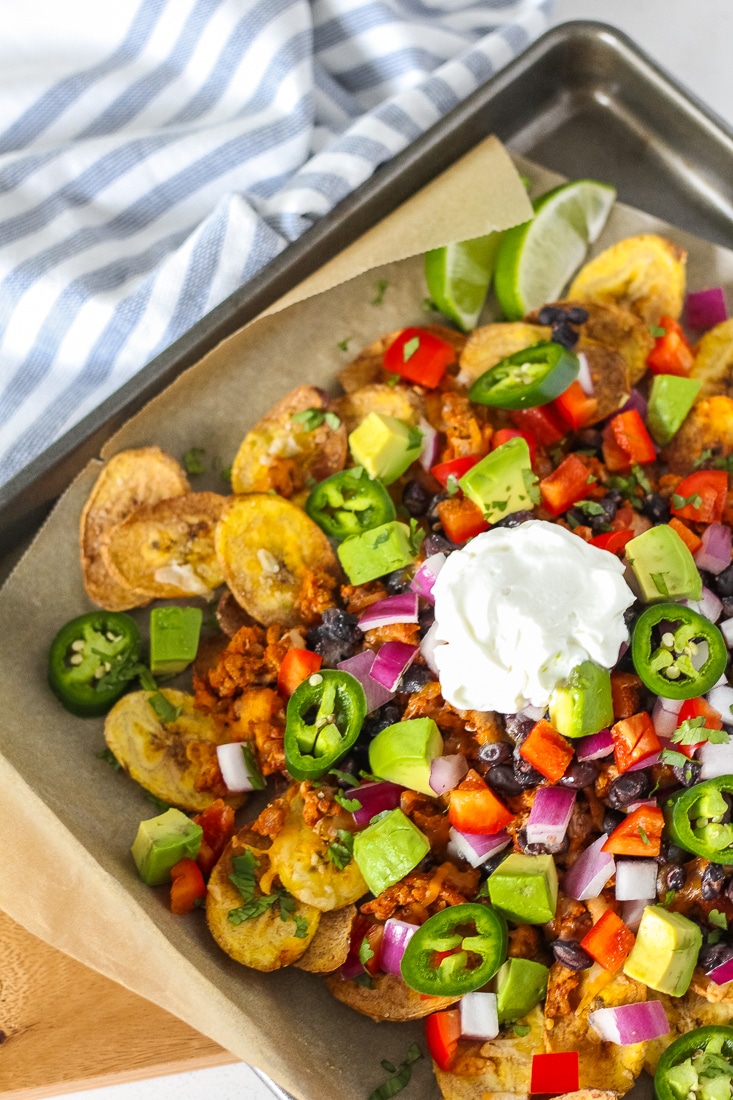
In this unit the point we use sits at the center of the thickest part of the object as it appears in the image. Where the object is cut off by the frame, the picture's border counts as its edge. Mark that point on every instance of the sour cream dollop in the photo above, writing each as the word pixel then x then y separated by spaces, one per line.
pixel 517 609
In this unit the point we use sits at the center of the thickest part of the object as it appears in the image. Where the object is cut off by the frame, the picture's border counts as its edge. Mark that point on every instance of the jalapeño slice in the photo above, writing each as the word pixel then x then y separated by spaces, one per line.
pixel 348 503
pixel 532 377
pixel 696 819
pixel 698 1063
pixel 87 658
pixel 456 950
pixel 668 650
pixel 324 717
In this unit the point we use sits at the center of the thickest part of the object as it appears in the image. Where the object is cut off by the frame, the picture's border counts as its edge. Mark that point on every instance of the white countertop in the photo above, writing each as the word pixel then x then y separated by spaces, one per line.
pixel 692 41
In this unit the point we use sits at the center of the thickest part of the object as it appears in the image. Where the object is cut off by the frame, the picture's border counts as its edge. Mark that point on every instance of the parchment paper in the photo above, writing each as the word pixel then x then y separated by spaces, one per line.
pixel 66 819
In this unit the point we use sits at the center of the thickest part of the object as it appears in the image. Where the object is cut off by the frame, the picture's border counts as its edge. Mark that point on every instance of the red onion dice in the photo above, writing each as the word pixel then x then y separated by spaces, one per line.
pixel 665 716
pixel 424 579
pixel 446 772
pixel 636 879
pixel 722 974
pixel 374 798
pixel 430 445
pixel 715 553
pixel 706 308
pixel 596 746
pixel 550 815
pixel 627 1024
pixel 360 666
pixel 393 660
pixel 401 608
pixel 590 872
pixel 479 1015
pixel 476 848
pixel 397 935
pixel 234 768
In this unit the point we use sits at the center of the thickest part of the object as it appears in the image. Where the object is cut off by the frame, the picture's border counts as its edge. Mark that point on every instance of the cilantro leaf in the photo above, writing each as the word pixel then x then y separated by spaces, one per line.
pixel 160 805
pixel 674 759
pixel 109 758
pixel 643 834
pixel 429 306
pixel 380 286
pixel 657 331
pixel 693 731
pixel 343 345
pixel 521 1030
pixel 333 421
pixel 344 777
pixel 400 1079
pixel 309 418
pixel 253 770
pixel 365 952
pixel 678 502
pixel 659 583
pixel 193 460
pixel 341 851
pixel 718 919
pixel 351 805
pixel 590 508
pixel 409 348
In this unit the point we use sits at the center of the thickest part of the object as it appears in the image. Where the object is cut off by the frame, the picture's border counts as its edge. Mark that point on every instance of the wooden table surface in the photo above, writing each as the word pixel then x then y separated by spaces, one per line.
pixel 65 1027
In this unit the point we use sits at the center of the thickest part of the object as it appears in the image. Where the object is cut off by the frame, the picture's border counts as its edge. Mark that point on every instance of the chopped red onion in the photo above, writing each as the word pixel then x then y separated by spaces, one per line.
pixel 430 445
pixel 584 376
pixel 550 815
pixel 627 1024
pixel 401 608
pixel 360 665
pixel 234 769
pixel 708 605
pixel 397 935
pixel 665 716
pixel 726 629
pixel 374 798
pixel 476 848
pixel 632 912
pixel 706 308
pixel 424 579
pixel 715 553
pixel 590 872
pixel 596 746
pixel 720 698
pixel 636 402
pixel 722 974
pixel 479 1015
pixel 716 760
pixel 392 661
pixel 636 879
pixel 446 772
pixel 631 806
pixel 428 646
pixel 646 762
pixel 351 968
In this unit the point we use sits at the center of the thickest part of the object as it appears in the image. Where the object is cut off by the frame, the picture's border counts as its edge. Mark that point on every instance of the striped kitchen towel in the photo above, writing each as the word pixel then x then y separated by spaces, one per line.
pixel 155 154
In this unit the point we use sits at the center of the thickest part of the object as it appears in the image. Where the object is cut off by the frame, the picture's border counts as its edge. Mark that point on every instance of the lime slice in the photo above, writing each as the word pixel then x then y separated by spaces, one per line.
pixel 538 258
pixel 459 276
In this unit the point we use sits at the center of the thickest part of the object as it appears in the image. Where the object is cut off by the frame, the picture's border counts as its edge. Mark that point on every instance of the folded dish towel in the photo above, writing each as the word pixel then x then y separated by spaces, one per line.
pixel 155 154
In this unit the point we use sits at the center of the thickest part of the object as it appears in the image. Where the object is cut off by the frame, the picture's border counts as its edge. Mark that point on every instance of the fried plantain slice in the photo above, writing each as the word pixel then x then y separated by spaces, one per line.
pixel 299 857
pixel 269 550
pixel 644 274
pixel 588 1094
pixel 488 345
pixel 329 947
pixel 274 938
pixel 166 550
pixel 130 478
pixel 714 361
pixel 368 366
pixel 499 1069
pixel 175 761
pixel 389 998
pixel 402 402
pixel 615 328
pixel 281 453
pixel 610 377
pixel 707 427
pixel 704 1003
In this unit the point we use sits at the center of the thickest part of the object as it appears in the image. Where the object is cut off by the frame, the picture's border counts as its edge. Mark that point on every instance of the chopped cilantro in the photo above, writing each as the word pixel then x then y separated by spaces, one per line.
pixel 642 833
pixel 693 731
pixel 391 379
pixel 226 474
pixel 674 759
pixel 640 477
pixel 244 878
pixel 381 538
pixel 341 851
pixel 417 534
pixel 343 345
pixel 193 460
pixel 364 979
pixel 160 805
pixel 678 502
pixel 309 418
pixel 344 777
pixel 409 348
pixel 163 709
pixel 531 485
pixel 109 758
pixel 718 919
pixel 669 897
pixel 657 331
pixel 380 286
pixel 590 508
pixel 401 1076
pixel 521 1030
pixel 387 1066
pixel 429 306
pixel 351 805
pixel 451 485
pixel 333 421
pixel 253 771
pixel 365 952
pixel 659 583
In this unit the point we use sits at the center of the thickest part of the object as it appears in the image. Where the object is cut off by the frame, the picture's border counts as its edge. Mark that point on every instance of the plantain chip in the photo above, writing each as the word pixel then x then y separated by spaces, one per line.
pixel 488 345
pixel 166 550
pixel 368 366
pixel 704 1003
pixel 714 361
pixel 588 1094
pixel 387 998
pixel 644 274
pixel 286 454
pixel 707 427
pixel 401 402
pixel 274 938
pixel 175 761
pixel 268 549
pixel 499 1069
pixel 130 479
pixel 615 328
pixel 329 947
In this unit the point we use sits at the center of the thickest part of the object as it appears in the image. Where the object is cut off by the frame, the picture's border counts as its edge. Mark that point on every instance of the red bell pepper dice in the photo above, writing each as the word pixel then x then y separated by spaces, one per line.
pixel 455 467
pixel 634 739
pixel 419 356
pixel 701 496
pixel 503 435
pixel 613 541
pixel 609 941
pixel 544 422
pixel 297 665
pixel 627 442
pixel 565 486
pixel 546 750
pixel 690 539
pixel 698 708
pixel 554 1073
pixel 442 1031
pixel 461 519
pixel 575 406
pixel 217 821
pixel 639 834
pixel 474 808
pixel 671 353
pixel 187 886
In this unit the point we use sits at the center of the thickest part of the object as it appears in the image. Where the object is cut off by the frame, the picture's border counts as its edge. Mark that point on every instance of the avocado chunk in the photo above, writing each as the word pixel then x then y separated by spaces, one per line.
pixel 665 952
pixel 520 985
pixel 682 1079
pixel 162 842
pixel 385 446
pixel 663 566
pixel 670 399
pixel 174 638
pixel 583 705
pixel 524 888
pixel 389 849
pixel 503 482
pixel 373 553
pixel 403 753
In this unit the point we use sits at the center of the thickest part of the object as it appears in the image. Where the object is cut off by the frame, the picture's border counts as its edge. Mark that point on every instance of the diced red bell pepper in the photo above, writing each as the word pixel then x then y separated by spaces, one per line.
pixel 609 941
pixel 671 353
pixel 473 808
pixel 419 356
pixel 698 708
pixel 639 834
pixel 554 1073
pixel 217 821
pixel 544 422
pixel 690 539
pixel 187 886
pixel 546 750
pixel 565 485
pixel 455 467
pixel 461 519
pixel 626 441
pixel 634 739
pixel 613 541
pixel 575 406
pixel 701 496
pixel 296 666
pixel 442 1031
pixel 503 435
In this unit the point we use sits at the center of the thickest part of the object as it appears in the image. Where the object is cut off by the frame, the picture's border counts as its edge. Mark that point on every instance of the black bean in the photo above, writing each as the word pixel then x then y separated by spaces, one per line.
pixel 727 606
pixel 515 519
pixel 589 439
pixel 525 775
pixel 427 863
pixel 416 498
pixel 629 787
pixel 670 853
pixel 724 582
pixel 712 881
pixel 383 717
pixel 539 849
pixel 398 581
pixel 501 778
pixel 336 638
pixel 688 773
pixel 490 865
pixel 655 508
pixel 518 727
pixel 414 678
pixel 611 819
pixel 437 544
pixel 426 618
pixel 671 877
pixel 579 774
pixel 549 314
pixel 576 315
pixel 714 954
pixel 562 333
pixel 432 511
pixel 340 624
pixel 571 955
pixel 494 752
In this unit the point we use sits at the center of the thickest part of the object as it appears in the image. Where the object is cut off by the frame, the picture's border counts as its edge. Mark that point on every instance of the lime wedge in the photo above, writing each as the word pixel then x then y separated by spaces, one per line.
pixel 537 259
pixel 459 276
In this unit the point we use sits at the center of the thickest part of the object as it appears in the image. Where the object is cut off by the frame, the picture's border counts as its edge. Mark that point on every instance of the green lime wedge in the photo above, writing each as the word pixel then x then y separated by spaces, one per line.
pixel 537 259
pixel 459 276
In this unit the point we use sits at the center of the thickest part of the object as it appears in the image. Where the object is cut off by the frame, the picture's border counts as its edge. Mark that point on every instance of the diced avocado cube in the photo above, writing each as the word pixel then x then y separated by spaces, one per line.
pixel 663 566
pixel 174 638
pixel 373 553
pixel 583 704
pixel 403 753
pixel 682 1079
pixel 389 849
pixel 520 985
pixel 665 952
pixel 503 482
pixel 161 843
pixel 385 446
pixel 670 399
pixel 524 888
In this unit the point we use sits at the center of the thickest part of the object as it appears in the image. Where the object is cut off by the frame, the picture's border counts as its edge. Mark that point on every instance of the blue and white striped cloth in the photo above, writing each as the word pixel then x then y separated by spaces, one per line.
pixel 155 154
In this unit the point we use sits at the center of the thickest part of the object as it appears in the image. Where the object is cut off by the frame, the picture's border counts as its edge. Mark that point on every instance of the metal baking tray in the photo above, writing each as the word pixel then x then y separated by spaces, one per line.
pixel 583 100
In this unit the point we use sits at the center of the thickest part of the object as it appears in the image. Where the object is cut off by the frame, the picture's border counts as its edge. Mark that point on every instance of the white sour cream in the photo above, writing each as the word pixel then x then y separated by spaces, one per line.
pixel 518 608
